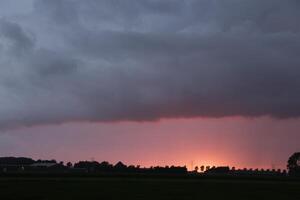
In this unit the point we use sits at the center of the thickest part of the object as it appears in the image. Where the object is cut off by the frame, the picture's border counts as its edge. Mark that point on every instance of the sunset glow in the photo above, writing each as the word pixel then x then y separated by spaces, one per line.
pixel 239 142
pixel 151 82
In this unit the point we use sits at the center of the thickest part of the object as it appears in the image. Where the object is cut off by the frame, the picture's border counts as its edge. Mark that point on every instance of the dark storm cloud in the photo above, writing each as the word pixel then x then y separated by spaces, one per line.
pixel 113 60
pixel 13 34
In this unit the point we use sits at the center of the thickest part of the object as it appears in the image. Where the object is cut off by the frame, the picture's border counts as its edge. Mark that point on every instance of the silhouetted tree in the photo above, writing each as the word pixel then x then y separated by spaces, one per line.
pixel 294 164
pixel 284 172
pixel 196 169
pixel 90 166
pixel 69 164
pixel 202 168
pixel 207 168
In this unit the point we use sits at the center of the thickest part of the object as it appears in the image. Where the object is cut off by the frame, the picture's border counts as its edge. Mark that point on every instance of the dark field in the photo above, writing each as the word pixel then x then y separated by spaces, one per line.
pixel 145 188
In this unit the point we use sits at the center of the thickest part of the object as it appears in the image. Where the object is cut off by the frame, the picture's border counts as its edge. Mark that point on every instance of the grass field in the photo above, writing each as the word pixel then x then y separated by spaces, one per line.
pixel 145 188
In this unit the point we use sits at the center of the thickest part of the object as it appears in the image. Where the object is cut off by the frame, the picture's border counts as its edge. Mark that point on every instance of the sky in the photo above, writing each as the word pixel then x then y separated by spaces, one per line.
pixel 151 82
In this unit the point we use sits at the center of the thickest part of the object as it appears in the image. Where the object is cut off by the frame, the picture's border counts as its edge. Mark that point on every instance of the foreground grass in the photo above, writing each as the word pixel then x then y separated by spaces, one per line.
pixel 145 188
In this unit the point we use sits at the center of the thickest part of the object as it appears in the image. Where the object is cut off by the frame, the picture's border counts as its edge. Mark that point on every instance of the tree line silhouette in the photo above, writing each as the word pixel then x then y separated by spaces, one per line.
pixel 27 164
pixel 23 164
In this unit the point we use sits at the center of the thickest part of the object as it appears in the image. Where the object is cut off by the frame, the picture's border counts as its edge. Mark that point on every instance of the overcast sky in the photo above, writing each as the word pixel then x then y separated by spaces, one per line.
pixel 71 60
pixel 102 61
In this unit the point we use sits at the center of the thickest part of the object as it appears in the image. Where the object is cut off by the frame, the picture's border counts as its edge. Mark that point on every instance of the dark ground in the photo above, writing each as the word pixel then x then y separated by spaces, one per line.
pixel 145 188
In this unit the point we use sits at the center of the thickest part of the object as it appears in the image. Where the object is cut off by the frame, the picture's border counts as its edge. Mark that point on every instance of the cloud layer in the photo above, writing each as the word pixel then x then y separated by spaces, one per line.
pixel 115 60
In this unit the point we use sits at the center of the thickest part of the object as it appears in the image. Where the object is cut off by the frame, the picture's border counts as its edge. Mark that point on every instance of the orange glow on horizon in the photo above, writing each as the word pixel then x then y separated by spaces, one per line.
pixel 232 141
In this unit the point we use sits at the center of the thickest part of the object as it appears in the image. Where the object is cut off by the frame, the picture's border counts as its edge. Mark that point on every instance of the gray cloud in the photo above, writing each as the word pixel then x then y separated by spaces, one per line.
pixel 118 60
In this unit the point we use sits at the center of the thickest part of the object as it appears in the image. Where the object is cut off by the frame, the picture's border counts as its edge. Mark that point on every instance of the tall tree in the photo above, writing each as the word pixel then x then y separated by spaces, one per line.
pixel 294 164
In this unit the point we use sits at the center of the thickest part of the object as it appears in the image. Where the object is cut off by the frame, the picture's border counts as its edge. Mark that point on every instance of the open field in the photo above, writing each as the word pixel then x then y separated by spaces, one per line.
pixel 145 188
